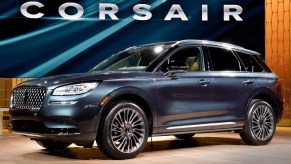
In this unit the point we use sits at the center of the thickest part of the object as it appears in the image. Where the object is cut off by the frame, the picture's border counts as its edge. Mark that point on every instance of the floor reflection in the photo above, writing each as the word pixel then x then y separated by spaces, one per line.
pixel 152 147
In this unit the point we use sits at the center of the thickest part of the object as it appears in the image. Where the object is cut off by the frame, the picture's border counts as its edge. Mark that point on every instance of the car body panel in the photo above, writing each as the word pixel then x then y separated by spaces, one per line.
pixel 230 95
pixel 185 101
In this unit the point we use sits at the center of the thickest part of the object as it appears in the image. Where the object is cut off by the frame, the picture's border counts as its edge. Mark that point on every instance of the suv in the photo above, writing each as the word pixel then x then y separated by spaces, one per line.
pixel 174 88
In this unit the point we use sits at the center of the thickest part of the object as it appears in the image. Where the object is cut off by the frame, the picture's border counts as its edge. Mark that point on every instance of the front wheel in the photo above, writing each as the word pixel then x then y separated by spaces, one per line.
pixel 53 145
pixel 260 123
pixel 124 131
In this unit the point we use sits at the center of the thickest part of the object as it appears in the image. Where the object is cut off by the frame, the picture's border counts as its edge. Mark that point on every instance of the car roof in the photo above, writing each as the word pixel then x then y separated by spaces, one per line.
pixel 201 42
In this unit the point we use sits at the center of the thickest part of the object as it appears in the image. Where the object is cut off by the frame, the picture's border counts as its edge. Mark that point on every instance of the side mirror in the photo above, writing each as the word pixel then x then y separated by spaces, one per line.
pixel 178 66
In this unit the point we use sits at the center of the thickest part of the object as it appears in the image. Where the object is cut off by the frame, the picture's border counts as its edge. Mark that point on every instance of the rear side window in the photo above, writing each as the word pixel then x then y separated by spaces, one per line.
pixel 250 63
pixel 223 60
pixel 262 63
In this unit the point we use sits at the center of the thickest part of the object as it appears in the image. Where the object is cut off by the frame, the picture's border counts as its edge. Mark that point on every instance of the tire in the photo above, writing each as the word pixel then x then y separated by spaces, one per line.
pixel 53 145
pixel 184 136
pixel 124 130
pixel 260 123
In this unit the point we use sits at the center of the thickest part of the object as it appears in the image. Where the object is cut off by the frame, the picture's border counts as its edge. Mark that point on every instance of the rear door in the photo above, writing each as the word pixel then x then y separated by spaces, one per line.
pixel 232 87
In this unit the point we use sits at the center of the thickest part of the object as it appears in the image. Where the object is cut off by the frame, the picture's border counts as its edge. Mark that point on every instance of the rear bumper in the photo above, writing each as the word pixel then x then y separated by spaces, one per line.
pixel 280 111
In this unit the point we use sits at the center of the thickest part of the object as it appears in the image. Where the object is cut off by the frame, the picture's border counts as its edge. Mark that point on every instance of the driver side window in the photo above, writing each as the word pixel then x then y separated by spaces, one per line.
pixel 190 56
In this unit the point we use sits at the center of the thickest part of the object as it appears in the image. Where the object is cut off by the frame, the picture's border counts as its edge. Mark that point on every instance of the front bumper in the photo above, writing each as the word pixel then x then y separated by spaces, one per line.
pixel 74 123
pixel 78 139
pixel 63 129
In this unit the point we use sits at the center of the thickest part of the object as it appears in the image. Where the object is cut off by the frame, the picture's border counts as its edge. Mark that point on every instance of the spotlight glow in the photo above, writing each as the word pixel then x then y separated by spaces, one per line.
pixel 158 49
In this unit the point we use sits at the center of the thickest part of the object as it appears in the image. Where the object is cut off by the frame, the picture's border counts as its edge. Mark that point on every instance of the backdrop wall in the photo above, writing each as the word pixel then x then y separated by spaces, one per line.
pixel 278 48
pixel 277 45
pixel 51 45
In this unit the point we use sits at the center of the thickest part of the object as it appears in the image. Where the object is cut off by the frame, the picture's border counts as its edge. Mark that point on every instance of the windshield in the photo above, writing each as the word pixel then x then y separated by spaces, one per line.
pixel 133 59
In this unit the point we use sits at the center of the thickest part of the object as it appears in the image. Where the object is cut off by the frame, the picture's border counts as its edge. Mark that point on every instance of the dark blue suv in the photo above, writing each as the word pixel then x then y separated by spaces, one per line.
pixel 174 88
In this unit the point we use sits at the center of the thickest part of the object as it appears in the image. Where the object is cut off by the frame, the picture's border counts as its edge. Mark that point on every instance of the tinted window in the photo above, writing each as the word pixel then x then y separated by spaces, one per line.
pixel 250 63
pixel 190 56
pixel 223 60
pixel 133 59
pixel 262 63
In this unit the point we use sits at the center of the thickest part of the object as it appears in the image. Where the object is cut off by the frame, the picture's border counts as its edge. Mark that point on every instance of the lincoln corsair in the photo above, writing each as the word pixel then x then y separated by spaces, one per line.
pixel 176 88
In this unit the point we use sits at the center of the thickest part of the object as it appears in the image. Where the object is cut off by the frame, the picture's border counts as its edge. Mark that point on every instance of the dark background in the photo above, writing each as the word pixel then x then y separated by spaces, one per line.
pixel 49 46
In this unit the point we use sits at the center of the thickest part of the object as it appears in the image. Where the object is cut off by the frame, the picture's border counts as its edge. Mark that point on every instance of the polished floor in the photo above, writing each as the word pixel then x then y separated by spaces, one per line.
pixel 203 148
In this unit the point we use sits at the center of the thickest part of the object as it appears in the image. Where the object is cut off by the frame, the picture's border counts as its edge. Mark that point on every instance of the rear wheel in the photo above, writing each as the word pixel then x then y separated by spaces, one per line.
pixel 124 131
pixel 53 145
pixel 184 136
pixel 260 124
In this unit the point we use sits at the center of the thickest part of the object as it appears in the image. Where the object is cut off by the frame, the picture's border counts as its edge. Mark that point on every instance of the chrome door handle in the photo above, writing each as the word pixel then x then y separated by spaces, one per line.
pixel 248 82
pixel 203 82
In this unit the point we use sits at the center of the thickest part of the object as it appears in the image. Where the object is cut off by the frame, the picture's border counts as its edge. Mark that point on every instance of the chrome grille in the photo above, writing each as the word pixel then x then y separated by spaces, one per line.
pixel 28 97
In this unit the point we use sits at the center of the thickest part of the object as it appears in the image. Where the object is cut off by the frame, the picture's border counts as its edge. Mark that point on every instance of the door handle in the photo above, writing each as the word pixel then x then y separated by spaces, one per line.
pixel 203 82
pixel 248 82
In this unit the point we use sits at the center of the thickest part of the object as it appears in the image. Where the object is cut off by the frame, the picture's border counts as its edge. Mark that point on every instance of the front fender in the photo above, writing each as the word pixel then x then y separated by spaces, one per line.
pixel 117 93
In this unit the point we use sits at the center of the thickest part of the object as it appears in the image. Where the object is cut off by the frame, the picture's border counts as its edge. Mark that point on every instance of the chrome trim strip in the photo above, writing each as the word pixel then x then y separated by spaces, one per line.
pixel 197 131
pixel 201 125
pixel 63 102
pixel 41 135
pixel 173 45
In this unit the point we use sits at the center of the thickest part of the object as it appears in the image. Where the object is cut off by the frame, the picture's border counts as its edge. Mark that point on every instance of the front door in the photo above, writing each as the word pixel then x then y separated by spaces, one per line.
pixel 184 98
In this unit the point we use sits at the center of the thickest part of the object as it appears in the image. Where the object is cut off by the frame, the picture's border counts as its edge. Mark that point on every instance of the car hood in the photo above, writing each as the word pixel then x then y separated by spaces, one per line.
pixel 52 81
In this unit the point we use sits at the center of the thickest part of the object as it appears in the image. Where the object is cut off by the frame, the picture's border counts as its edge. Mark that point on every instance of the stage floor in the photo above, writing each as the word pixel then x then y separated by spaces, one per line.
pixel 203 148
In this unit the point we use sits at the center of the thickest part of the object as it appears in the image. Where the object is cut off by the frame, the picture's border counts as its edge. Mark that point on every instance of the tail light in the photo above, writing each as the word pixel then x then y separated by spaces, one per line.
pixel 278 81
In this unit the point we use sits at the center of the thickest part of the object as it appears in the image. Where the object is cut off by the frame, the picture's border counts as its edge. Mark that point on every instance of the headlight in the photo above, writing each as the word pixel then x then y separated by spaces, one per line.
pixel 74 89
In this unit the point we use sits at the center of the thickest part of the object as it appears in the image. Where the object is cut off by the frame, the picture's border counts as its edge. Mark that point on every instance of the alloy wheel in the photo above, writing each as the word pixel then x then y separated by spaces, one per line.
pixel 127 130
pixel 263 124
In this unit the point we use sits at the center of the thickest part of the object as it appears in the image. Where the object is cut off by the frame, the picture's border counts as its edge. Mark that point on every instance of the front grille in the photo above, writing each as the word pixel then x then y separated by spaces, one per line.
pixel 28 97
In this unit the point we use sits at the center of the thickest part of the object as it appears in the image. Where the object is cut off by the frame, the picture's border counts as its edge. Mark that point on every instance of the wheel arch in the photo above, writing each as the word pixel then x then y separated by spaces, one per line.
pixel 270 98
pixel 129 94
